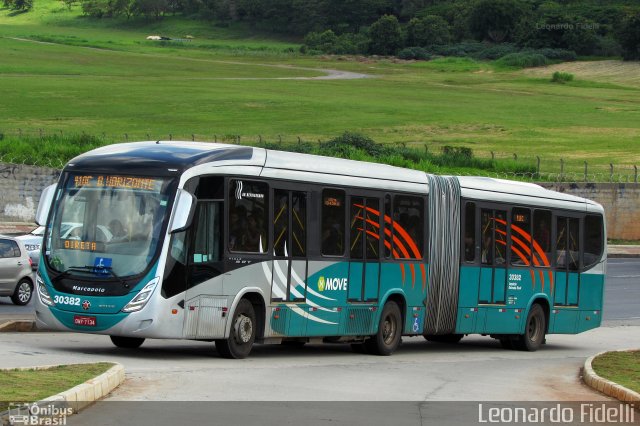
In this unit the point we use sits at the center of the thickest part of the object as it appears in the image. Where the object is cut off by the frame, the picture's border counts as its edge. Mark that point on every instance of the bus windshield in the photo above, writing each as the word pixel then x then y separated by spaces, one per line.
pixel 107 225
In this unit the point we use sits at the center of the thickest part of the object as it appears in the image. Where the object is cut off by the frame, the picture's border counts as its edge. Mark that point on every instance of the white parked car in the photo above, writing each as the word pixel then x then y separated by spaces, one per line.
pixel 32 243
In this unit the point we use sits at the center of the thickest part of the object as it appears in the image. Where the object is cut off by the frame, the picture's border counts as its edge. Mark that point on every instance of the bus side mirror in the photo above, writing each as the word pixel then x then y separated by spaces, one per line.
pixel 46 198
pixel 183 211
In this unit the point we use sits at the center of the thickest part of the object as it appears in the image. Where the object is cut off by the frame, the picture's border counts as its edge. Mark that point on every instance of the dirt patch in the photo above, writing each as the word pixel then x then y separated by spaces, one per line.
pixel 618 72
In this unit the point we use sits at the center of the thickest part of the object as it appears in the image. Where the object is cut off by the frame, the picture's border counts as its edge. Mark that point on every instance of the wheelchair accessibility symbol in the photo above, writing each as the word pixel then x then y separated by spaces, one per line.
pixel 416 326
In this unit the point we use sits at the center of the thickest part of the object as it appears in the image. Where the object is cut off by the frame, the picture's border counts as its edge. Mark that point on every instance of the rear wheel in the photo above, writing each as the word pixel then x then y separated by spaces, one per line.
pixel 242 335
pixel 23 292
pixel 387 339
pixel 534 331
pixel 127 342
pixel 444 338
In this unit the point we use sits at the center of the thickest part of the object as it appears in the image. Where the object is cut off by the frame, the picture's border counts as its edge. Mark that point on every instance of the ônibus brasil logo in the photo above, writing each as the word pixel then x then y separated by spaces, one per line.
pixel 332 284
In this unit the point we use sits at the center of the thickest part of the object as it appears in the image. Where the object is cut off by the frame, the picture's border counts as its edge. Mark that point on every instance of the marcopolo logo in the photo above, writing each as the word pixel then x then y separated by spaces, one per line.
pixel 332 284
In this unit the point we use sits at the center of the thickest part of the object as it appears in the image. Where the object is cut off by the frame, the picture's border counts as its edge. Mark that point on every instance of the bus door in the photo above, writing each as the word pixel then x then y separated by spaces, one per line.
pixel 364 249
pixel 567 279
pixel 201 249
pixel 289 246
pixel 493 273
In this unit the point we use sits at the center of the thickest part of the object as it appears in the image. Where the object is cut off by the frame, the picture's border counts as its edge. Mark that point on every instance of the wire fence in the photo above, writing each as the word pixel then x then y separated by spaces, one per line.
pixel 53 149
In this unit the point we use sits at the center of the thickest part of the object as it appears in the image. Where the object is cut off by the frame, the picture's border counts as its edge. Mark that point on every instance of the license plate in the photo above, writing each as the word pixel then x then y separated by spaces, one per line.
pixel 84 321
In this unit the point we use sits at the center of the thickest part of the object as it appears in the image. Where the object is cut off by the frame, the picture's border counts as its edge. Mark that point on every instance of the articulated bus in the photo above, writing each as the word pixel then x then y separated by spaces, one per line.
pixel 243 245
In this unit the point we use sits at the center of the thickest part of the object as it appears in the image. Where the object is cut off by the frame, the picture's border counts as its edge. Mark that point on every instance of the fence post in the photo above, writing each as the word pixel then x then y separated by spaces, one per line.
pixel 635 174
pixel 585 171
pixel 515 156
pixel 538 166
pixel 260 139
pixel 426 148
pixel 20 133
pixel 40 133
pixel 493 156
pixel 193 137
pixel 299 140
pixel 238 139
pixel 561 170
pixel 148 137
pixel 610 172
pixel 170 137
pixel 215 138
pixel 126 137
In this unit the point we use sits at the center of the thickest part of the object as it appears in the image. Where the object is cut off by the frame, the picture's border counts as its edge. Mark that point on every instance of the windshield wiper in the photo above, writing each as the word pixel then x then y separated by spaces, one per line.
pixel 92 269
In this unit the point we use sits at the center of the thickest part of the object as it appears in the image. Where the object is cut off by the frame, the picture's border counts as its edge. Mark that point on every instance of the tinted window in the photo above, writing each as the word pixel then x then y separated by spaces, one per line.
pixel 388 227
pixel 494 237
pixel 248 216
pixel 594 240
pixel 9 248
pixel 470 232
pixel 299 223
pixel 333 222
pixel 520 236
pixel 567 243
pixel 408 226
pixel 280 222
pixel 357 228
pixel 542 237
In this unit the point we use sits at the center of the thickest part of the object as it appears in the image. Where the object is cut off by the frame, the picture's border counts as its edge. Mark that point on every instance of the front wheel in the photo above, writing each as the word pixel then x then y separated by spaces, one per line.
pixel 23 292
pixel 534 331
pixel 242 335
pixel 127 342
pixel 387 339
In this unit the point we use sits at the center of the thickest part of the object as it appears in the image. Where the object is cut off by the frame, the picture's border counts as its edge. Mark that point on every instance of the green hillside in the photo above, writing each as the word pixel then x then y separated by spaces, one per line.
pixel 70 74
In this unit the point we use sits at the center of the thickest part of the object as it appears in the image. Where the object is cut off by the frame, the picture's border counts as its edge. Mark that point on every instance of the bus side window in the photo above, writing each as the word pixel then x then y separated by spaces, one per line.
pixel 521 236
pixel 470 232
pixel 542 235
pixel 333 222
pixel 248 203
pixel 388 227
pixel 299 224
pixel 408 226
pixel 594 241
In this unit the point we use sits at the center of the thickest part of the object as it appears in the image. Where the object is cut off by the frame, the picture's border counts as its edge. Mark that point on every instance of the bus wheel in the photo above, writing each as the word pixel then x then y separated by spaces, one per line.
pixel 242 335
pixel 127 342
pixel 534 330
pixel 444 338
pixel 387 339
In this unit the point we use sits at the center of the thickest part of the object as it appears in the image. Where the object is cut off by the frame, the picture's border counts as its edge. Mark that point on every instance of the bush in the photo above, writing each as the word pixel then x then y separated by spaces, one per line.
pixel 431 29
pixel 385 35
pixel 496 51
pixel 557 54
pixel 466 48
pixel 414 53
pixel 561 77
pixel 523 60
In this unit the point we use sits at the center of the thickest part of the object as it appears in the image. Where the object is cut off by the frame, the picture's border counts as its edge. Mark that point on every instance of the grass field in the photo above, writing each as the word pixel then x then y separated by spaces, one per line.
pixel 64 73
pixel 28 386
pixel 620 367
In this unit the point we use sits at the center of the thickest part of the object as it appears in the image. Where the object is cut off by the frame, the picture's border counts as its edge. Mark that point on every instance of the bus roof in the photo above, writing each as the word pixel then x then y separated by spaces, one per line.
pixel 177 156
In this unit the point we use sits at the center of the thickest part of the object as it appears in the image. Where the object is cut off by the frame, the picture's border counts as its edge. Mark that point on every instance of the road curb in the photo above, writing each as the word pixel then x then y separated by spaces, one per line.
pixel 605 386
pixel 78 397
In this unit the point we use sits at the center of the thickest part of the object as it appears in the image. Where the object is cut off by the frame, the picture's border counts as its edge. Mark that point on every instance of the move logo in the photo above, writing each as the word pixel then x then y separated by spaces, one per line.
pixel 332 284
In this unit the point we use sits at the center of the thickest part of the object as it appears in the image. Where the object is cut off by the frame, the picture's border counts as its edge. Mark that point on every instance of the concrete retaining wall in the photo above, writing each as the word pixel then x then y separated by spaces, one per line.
pixel 621 202
pixel 20 188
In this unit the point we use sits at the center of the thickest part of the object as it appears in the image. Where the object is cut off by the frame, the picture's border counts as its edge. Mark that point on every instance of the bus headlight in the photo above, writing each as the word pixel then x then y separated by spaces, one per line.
pixel 141 298
pixel 45 298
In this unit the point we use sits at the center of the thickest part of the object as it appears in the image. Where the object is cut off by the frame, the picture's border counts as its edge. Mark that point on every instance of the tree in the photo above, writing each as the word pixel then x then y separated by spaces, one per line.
pixel 629 37
pixel 495 20
pixel 20 5
pixel 150 8
pixel 386 36
pixel 431 29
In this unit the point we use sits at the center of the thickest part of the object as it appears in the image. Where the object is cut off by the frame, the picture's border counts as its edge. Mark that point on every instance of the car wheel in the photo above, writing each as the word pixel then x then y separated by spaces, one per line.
pixel 22 295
